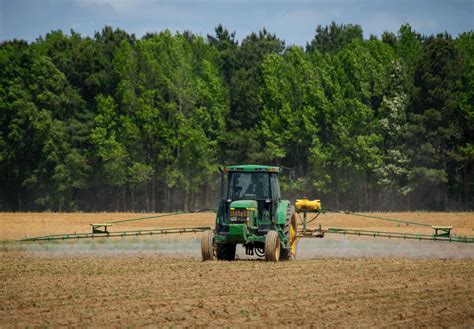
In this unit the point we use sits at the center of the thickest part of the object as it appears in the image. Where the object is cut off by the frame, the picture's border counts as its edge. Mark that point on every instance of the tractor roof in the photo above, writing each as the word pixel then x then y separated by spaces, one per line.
pixel 252 168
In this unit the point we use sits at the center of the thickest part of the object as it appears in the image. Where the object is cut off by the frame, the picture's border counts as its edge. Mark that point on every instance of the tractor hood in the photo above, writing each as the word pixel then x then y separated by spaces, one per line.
pixel 244 204
pixel 243 215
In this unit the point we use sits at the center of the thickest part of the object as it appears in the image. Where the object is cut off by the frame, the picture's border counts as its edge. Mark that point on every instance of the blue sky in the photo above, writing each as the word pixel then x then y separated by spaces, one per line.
pixel 292 21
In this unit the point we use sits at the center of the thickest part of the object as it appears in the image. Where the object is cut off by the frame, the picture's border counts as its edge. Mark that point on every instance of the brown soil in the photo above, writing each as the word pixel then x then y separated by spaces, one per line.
pixel 22 225
pixel 157 291
pixel 147 289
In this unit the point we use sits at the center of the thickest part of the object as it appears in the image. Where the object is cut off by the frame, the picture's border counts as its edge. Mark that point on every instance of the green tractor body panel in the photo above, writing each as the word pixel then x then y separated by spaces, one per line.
pixel 250 208
pixel 252 168
pixel 281 211
pixel 243 216
pixel 237 233
pixel 244 204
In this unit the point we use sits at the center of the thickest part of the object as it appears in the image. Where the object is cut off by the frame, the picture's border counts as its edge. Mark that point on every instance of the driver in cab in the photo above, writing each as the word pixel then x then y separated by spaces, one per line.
pixel 255 187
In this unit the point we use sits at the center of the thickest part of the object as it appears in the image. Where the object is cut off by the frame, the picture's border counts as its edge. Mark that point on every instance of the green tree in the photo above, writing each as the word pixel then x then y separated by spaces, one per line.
pixel 189 114
pixel 38 108
pixel 244 91
pixel 462 178
pixel 119 123
pixel 331 39
pixel 409 47
pixel 434 119
pixel 228 47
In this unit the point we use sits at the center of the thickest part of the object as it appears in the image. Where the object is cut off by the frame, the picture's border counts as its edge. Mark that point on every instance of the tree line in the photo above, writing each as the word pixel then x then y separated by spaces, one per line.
pixel 119 123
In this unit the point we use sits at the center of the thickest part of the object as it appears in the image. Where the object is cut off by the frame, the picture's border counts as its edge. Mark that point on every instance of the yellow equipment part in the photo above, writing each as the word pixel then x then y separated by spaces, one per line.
pixel 293 241
pixel 305 204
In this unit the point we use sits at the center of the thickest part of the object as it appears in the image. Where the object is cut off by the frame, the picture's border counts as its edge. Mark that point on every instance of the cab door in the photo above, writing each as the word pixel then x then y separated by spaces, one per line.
pixel 275 194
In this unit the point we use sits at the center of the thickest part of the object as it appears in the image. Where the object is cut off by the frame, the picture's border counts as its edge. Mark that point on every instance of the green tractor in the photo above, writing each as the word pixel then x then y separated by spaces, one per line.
pixel 252 213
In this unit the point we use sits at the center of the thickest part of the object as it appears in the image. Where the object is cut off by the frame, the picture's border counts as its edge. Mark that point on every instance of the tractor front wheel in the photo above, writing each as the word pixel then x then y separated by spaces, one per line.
pixel 272 247
pixel 207 246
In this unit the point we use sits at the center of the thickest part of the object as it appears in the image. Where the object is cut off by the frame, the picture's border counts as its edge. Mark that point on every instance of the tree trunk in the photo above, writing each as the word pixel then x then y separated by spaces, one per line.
pixel 185 200
pixel 147 200
pixel 206 196
pixel 166 192
pixel 444 189
pixel 153 187
pixel 124 205
pixel 366 194
pixel 117 204
pixel 466 188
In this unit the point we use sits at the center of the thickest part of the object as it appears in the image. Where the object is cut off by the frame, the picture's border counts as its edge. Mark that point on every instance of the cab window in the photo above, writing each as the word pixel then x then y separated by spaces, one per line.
pixel 275 187
pixel 249 186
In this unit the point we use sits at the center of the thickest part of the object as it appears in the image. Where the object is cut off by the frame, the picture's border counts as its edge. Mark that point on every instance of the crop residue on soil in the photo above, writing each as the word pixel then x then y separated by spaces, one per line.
pixel 156 290
pixel 159 281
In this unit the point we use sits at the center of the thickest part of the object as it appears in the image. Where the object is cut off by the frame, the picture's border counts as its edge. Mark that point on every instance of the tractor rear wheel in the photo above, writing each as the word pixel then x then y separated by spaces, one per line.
pixel 290 230
pixel 207 246
pixel 272 247
pixel 225 251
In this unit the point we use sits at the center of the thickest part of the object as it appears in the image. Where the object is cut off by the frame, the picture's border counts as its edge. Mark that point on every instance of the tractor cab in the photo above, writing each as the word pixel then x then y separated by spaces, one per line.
pixel 252 189
pixel 257 188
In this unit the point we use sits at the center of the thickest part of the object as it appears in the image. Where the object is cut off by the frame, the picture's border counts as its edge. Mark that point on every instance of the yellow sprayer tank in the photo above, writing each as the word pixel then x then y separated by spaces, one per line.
pixel 305 204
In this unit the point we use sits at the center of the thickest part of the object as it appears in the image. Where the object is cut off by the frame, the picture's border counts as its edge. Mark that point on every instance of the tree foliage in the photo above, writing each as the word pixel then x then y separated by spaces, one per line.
pixel 112 122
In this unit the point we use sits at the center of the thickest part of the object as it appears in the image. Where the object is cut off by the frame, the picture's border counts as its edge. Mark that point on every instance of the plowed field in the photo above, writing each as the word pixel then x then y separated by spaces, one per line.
pixel 160 281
